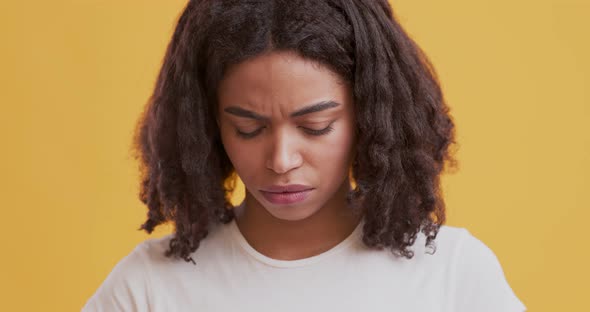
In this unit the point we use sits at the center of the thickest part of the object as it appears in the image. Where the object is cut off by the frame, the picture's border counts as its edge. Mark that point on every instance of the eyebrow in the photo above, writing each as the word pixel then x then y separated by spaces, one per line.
pixel 317 107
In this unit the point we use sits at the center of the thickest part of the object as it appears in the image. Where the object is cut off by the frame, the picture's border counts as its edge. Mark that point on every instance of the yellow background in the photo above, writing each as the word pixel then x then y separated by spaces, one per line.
pixel 75 75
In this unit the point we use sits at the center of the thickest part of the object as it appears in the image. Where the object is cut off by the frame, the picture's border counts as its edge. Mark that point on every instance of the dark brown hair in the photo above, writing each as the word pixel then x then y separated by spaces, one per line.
pixel 403 124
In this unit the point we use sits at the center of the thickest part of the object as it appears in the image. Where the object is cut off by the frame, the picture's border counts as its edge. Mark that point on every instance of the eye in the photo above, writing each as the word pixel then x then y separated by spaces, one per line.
pixel 248 135
pixel 326 130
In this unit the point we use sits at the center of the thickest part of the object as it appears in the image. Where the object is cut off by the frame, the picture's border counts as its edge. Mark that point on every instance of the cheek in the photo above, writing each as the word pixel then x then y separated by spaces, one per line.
pixel 244 157
pixel 332 156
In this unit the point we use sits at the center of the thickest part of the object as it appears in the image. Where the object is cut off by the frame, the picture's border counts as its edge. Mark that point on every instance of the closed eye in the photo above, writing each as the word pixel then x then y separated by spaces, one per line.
pixel 315 132
pixel 326 130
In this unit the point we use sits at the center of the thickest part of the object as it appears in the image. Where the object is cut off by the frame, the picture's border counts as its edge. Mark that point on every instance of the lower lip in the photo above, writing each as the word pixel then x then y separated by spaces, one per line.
pixel 286 198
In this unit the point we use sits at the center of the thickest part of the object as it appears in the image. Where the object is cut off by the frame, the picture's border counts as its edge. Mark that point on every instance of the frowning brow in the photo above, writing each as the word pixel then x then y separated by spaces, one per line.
pixel 317 107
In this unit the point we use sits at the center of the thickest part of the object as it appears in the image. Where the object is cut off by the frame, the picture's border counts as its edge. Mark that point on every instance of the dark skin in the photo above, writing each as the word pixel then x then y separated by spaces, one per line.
pixel 285 149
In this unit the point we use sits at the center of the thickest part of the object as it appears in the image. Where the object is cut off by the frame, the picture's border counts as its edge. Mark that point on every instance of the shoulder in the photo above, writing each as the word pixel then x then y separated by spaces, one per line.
pixel 449 238
pixel 129 285
pixel 444 248
pixel 132 281
pixel 151 252
pixel 126 287
pixel 478 280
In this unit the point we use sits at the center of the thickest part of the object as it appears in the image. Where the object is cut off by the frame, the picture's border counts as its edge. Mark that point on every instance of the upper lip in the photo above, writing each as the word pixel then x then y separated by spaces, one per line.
pixel 287 188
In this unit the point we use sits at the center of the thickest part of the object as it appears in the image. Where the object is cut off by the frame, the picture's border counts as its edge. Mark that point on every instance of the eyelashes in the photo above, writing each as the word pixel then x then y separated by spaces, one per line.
pixel 248 135
pixel 326 130
pixel 314 132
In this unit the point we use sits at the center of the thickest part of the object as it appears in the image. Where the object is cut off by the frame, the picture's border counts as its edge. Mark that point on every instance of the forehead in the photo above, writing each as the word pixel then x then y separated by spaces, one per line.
pixel 280 81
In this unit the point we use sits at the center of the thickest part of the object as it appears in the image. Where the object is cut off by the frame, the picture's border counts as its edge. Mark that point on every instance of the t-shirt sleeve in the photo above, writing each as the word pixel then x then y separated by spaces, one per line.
pixel 480 281
pixel 126 288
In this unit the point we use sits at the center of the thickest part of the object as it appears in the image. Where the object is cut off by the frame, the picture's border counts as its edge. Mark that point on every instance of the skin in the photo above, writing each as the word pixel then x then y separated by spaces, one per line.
pixel 283 151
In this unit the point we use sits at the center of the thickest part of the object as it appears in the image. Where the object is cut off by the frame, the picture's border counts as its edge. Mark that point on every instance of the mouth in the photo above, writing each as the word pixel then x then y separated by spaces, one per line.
pixel 286 192
pixel 291 188
pixel 286 198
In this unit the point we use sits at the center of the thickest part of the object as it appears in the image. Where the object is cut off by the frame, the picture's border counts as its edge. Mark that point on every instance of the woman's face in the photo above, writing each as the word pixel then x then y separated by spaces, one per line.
pixel 285 120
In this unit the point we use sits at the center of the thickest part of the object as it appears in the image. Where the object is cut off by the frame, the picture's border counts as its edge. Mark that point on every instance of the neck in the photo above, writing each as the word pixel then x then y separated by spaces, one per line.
pixel 292 240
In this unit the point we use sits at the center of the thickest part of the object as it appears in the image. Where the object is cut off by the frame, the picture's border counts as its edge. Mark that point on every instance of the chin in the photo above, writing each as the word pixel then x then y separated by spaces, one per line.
pixel 291 212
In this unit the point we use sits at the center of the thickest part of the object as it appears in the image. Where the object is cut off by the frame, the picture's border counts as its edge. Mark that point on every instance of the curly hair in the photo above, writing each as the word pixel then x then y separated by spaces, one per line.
pixel 403 124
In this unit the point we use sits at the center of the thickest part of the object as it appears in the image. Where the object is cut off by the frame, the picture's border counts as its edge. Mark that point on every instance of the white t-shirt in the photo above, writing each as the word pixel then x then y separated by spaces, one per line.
pixel 463 275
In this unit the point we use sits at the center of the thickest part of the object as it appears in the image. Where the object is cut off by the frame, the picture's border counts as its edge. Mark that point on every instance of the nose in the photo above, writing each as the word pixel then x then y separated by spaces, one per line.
pixel 284 154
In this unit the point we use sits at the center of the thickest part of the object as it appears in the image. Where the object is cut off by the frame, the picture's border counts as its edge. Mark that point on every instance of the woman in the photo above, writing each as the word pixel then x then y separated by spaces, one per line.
pixel 333 119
